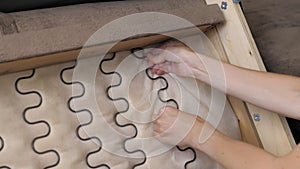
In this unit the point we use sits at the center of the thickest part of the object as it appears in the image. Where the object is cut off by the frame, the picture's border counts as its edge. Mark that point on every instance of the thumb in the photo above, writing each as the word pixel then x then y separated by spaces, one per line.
pixel 167 67
pixel 155 59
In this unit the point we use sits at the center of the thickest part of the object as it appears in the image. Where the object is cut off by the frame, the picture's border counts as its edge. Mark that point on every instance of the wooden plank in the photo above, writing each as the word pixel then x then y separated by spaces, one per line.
pixel 248 130
pixel 241 50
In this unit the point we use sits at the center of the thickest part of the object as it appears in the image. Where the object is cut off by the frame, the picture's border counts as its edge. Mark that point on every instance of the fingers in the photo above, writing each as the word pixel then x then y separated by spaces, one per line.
pixel 169 67
pixel 158 71
pixel 175 127
pixel 155 56
pixel 159 129
pixel 165 52
pixel 154 61
pixel 165 60
pixel 165 119
pixel 161 68
pixel 161 55
pixel 163 126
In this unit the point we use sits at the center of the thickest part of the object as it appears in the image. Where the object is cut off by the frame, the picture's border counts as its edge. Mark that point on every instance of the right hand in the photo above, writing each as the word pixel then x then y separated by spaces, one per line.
pixel 171 127
pixel 175 57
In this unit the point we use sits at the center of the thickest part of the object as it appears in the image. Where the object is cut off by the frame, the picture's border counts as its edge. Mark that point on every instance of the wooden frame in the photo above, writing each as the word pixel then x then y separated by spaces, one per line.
pixel 234 42
pixel 236 45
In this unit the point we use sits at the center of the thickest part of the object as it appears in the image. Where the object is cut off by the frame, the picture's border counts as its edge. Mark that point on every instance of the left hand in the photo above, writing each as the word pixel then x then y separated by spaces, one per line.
pixel 175 57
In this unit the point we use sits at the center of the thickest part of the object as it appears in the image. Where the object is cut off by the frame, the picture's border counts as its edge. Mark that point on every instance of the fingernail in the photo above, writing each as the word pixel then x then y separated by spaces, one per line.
pixel 154 70
pixel 160 72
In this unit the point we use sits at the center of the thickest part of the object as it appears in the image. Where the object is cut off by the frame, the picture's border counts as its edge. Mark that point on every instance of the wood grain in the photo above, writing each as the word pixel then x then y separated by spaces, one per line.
pixel 241 50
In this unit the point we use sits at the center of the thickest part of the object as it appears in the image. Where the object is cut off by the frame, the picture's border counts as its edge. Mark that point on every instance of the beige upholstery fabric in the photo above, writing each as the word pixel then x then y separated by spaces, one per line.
pixel 57 142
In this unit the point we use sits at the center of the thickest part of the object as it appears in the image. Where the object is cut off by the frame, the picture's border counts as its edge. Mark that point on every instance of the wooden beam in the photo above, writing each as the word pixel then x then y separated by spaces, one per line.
pixel 248 131
pixel 241 50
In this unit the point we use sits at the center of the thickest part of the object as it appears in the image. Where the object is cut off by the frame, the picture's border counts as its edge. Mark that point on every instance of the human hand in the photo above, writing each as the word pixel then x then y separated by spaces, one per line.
pixel 175 57
pixel 175 127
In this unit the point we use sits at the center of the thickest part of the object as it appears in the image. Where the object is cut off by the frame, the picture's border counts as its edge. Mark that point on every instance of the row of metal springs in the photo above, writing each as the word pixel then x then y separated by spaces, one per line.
pixel 133 51
pixel 36 122
pixel 123 111
pixel 84 124
pixel 48 126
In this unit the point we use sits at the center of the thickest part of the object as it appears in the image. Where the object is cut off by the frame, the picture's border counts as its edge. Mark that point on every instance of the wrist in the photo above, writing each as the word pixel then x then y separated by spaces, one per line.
pixel 201 75
pixel 212 72
pixel 208 143
pixel 200 68
pixel 195 132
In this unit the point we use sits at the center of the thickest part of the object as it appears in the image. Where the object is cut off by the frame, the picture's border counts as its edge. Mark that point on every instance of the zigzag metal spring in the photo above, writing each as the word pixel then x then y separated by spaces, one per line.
pixel 2 143
pixel 164 101
pixel 120 112
pixel 36 122
pixel 1 147
pixel 85 124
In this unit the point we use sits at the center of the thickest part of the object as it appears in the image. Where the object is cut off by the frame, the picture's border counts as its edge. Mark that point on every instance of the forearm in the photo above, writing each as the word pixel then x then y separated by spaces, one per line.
pixel 234 154
pixel 279 93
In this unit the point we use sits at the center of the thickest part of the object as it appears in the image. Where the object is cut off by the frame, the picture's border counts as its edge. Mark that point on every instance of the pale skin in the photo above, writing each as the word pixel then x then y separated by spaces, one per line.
pixel 275 92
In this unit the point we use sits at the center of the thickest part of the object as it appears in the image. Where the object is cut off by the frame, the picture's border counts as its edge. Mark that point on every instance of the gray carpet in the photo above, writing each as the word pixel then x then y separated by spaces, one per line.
pixel 276 28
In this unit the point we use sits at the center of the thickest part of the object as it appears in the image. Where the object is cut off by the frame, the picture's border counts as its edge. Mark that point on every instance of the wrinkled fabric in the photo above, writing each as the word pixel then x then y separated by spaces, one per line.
pixel 77 134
